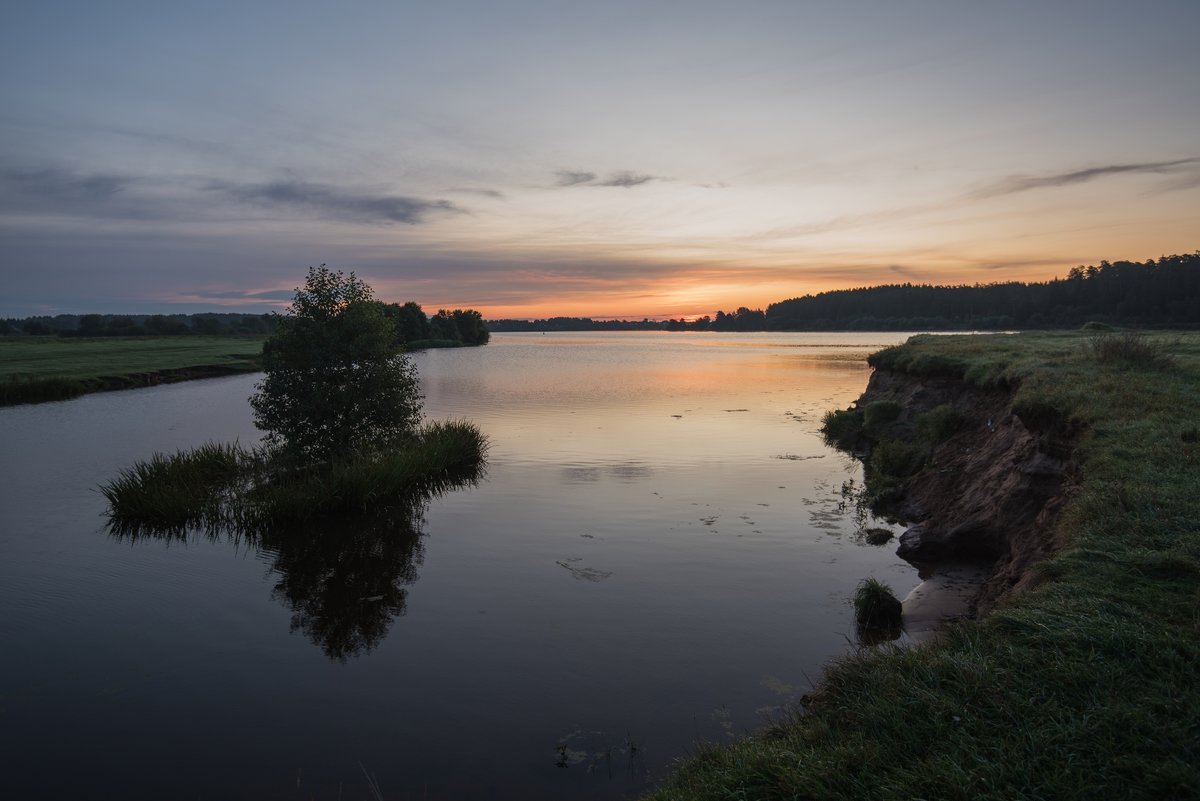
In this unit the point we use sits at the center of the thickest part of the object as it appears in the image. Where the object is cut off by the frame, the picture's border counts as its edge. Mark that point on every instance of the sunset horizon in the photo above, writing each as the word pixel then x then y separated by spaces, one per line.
pixel 626 162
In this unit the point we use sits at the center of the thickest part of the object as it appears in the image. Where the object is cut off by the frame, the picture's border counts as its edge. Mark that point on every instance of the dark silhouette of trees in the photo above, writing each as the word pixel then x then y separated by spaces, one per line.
pixel 336 381
pixel 1162 293
pixel 411 323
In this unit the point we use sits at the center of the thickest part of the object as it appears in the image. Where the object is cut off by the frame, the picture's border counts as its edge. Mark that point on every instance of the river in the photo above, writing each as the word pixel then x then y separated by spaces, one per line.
pixel 656 556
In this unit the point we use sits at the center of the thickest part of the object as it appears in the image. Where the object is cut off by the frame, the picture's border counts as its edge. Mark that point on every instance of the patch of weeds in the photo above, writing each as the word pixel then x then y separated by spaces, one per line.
pixel 1039 413
pixel 878 415
pixel 842 428
pixel 938 424
pixel 876 536
pixel 896 459
pixel 876 606
pixel 1131 349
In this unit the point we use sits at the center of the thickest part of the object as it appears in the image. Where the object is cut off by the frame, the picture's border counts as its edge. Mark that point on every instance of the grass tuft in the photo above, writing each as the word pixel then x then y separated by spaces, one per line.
pixel 938 424
pixel 875 605
pixel 1132 349
pixel 877 536
pixel 896 459
pixel 226 485
pixel 878 417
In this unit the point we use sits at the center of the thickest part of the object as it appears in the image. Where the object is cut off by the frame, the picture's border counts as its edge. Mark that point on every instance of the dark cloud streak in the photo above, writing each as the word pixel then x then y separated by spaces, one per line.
pixel 337 204
pixel 628 179
pixel 574 178
pixel 63 191
pixel 625 179
pixel 1022 183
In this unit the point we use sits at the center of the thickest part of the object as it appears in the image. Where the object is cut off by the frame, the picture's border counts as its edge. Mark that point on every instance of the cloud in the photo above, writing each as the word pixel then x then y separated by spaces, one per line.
pixel 1024 183
pixel 625 179
pixel 628 179
pixel 64 191
pixel 574 178
pixel 337 204
pixel 471 190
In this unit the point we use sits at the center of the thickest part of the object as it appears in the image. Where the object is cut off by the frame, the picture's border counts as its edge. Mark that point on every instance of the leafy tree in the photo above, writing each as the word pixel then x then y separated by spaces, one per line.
pixel 470 327
pixel 336 379
pixel 443 326
pixel 411 323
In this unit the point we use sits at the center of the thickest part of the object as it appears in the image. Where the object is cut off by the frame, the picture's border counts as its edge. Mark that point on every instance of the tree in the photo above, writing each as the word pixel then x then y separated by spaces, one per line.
pixel 470 326
pixel 411 323
pixel 336 380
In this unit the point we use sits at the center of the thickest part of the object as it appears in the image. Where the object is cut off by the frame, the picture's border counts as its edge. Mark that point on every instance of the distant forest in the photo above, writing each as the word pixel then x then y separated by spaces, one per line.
pixel 413 326
pixel 1152 294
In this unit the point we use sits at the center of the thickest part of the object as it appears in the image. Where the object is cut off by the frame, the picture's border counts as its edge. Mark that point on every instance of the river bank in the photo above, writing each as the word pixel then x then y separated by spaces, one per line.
pixel 41 369
pixel 1075 472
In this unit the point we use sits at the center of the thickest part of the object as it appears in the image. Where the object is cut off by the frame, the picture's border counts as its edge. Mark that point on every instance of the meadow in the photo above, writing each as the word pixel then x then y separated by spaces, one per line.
pixel 35 369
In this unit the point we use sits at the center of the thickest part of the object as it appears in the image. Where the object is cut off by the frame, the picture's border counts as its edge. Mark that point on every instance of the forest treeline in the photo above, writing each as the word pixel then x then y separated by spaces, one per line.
pixel 1151 294
pixel 413 326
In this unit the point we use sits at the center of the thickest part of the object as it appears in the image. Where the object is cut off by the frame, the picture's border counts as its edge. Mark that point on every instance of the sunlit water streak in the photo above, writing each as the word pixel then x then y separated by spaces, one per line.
pixel 656 556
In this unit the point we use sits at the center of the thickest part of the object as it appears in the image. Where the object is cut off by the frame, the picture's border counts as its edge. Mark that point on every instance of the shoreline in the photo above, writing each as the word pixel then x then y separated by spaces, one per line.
pixel 1077 478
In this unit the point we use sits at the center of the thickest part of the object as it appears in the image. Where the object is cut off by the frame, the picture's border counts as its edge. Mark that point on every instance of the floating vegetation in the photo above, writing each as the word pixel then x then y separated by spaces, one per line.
pixel 228 486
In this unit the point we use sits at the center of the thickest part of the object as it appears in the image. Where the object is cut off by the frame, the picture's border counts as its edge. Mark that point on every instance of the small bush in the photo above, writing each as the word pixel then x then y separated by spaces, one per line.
pixel 876 606
pixel 1190 435
pixel 877 536
pixel 938 424
pixel 878 416
pixel 896 459
pixel 1093 325
pixel 842 428
pixel 1131 348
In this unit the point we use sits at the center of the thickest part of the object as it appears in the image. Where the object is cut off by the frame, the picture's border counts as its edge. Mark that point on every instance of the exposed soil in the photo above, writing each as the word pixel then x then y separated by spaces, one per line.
pixel 991 493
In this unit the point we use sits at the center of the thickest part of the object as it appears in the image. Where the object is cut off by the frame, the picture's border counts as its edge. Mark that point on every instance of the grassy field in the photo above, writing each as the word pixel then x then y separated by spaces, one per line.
pixel 34 369
pixel 1087 686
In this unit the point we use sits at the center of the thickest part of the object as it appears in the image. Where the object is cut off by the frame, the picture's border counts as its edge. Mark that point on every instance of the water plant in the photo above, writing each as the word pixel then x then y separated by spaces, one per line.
pixel 875 605
pixel 219 485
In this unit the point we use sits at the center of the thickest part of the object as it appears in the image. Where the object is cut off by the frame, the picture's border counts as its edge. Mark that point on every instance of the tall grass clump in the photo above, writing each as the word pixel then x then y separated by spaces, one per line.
pixel 439 455
pixel 1131 349
pixel 878 416
pixel 876 606
pixel 23 389
pixel 896 459
pixel 216 485
pixel 938 424
pixel 842 428
pixel 179 489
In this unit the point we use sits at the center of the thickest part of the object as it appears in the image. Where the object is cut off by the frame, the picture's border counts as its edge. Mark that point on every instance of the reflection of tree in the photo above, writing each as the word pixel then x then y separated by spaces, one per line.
pixel 344 579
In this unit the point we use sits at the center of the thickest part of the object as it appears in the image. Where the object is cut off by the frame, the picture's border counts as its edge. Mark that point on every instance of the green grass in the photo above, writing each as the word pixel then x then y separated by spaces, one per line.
pixel 875 605
pixel 1081 688
pixel 228 486
pixel 34 369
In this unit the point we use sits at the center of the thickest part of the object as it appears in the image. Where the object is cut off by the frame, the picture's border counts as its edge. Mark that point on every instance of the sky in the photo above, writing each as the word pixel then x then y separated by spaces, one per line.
pixel 605 159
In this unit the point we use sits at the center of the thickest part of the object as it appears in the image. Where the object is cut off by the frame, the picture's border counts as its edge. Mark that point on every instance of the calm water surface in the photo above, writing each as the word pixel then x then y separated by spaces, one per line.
pixel 655 557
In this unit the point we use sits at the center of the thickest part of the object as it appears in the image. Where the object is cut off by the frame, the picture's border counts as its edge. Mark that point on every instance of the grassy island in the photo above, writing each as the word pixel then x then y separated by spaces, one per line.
pixel 1080 682
pixel 340 408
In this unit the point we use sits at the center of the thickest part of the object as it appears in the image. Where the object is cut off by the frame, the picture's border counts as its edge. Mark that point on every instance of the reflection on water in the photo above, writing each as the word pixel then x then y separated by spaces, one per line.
pixel 660 553
pixel 344 580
